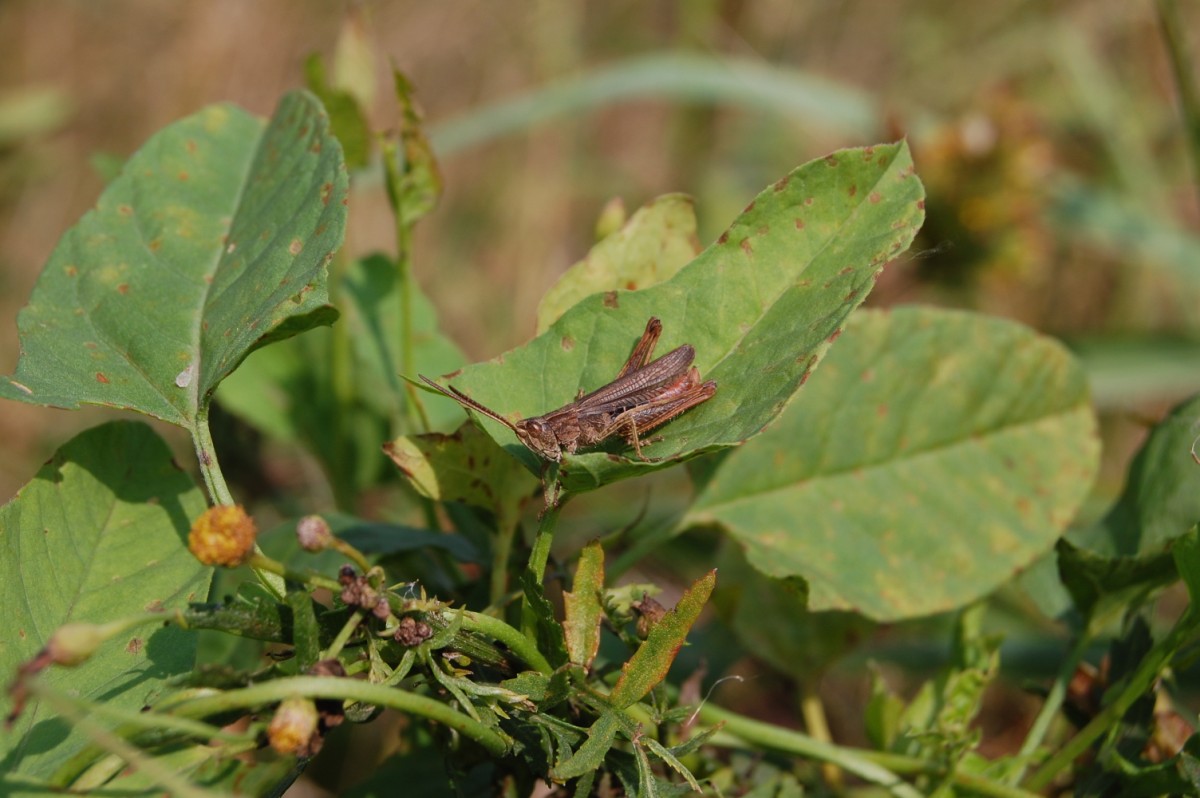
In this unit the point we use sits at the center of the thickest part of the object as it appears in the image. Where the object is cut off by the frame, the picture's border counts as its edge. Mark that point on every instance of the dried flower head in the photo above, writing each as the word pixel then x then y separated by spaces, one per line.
pixel 222 535
pixel 293 729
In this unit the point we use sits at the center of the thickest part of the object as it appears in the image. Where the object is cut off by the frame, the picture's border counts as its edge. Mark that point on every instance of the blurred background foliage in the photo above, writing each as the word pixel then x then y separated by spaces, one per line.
pixel 1062 189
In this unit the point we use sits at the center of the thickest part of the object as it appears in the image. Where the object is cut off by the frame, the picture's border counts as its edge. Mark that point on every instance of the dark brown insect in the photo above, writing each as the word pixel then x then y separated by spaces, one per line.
pixel 645 394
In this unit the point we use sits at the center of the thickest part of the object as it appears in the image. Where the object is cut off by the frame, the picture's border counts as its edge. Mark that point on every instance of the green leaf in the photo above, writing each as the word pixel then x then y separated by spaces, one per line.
pixel 760 306
pixel 306 634
pixel 99 534
pixel 584 608
pixel 590 755
pixel 466 467
pixel 936 455
pixel 1102 586
pixel 650 247
pixel 649 664
pixel 346 117
pixel 214 240
pixel 1186 553
pixel 1161 500
pixel 771 618
pixel 550 639
pixel 414 182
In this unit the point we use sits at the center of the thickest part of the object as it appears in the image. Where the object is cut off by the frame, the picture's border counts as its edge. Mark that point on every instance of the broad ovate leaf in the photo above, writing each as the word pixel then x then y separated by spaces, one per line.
pixel 213 240
pixel 936 454
pixel 657 241
pixel 98 535
pixel 760 306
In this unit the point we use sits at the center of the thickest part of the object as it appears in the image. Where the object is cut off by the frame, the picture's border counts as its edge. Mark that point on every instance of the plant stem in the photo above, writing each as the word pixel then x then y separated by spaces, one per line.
pixel 873 766
pixel 1135 685
pixel 771 736
pixel 218 493
pixel 813 712
pixel 105 739
pixel 498 630
pixel 1050 708
pixel 335 647
pixel 349 690
pixel 263 564
pixel 540 554
pixel 502 545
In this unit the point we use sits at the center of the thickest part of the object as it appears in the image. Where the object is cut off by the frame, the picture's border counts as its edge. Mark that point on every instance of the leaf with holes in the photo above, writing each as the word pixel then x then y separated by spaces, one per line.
pixel 936 455
pixel 87 541
pixel 213 241
pixel 760 306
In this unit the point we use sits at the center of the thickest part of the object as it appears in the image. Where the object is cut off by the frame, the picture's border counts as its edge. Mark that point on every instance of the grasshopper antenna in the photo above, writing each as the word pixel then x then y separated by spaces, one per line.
pixel 467 401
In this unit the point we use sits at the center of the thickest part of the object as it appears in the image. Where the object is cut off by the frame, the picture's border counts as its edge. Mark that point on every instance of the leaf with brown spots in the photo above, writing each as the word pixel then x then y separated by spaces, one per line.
pixel 979 459
pixel 98 534
pixel 167 275
pixel 759 306
pixel 658 240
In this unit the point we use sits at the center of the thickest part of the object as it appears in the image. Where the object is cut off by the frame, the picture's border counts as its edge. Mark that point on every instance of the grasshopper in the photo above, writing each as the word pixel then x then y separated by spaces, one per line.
pixel 645 394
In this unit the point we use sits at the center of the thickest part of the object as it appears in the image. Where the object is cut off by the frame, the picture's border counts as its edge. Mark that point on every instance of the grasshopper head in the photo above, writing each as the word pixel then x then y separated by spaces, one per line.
pixel 537 435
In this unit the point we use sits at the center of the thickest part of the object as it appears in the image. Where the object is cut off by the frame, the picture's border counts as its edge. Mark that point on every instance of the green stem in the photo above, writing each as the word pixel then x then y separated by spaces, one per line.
pixel 348 690
pixel 105 739
pixel 793 742
pixel 538 558
pixel 218 493
pixel 873 766
pixel 498 630
pixel 1050 708
pixel 339 642
pixel 1133 687
pixel 263 564
pixel 502 545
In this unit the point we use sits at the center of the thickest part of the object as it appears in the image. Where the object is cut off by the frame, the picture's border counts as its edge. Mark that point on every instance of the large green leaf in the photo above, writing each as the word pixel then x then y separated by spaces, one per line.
pixel 936 454
pixel 658 240
pixel 214 240
pixel 99 534
pixel 760 306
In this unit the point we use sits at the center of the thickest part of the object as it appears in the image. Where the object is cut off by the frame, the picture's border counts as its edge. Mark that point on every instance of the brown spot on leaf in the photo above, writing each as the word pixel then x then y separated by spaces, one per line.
pixel 154 245
pixel 763 230
pixel 184 176
pixel 781 183
pixel 154 606
pixel 630 285
pixel 921 204
pixel 568 343
pixel 749 207
pixel 836 334
pixel 610 299
pixel 799 224
pixel 326 193
pixel 315 147
pixel 868 375
pixel 746 246
pixel 123 289
pixel 125 210
pixel 847 270
pixel 808 201
pixel 70 271
pixel 724 237
pixel 831 160
pixel 881 410
pixel 874 197
pixel 850 296
pixel 852 191
pixel 134 646
pixel 191 145
pixel 101 378
pixel 868 153
pixel 295 246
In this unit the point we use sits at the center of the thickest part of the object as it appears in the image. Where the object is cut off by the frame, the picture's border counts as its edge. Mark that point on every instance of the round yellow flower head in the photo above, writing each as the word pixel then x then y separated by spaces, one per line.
pixel 223 535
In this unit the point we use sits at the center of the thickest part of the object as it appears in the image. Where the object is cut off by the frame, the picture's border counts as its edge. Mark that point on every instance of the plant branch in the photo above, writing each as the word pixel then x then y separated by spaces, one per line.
pixel 349 690
pixel 1050 707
